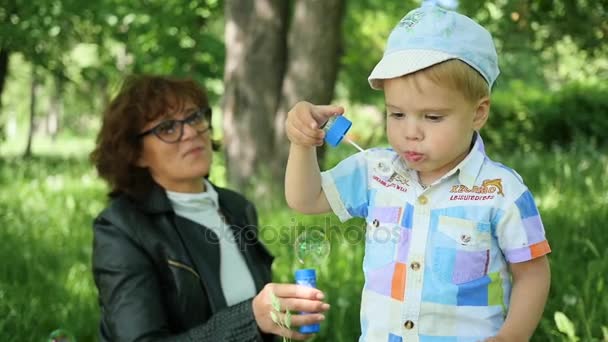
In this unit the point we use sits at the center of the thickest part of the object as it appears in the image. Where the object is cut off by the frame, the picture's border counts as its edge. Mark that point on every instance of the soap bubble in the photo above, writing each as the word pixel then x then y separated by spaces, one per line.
pixel 61 335
pixel 311 247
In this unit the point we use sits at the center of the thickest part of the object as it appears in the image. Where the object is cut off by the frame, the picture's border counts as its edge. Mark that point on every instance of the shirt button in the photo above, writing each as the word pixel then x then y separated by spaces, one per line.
pixel 422 200
pixel 415 266
pixel 408 324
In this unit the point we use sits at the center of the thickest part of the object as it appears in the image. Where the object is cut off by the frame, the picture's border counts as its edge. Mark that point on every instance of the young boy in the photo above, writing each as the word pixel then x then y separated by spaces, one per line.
pixel 455 249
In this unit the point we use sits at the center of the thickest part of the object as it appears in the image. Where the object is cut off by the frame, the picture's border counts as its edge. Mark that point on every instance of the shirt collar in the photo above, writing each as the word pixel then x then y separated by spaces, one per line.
pixel 471 165
pixel 468 169
pixel 209 198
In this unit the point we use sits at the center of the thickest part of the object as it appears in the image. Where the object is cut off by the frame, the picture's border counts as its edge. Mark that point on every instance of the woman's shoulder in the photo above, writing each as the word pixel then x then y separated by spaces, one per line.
pixel 119 211
pixel 230 196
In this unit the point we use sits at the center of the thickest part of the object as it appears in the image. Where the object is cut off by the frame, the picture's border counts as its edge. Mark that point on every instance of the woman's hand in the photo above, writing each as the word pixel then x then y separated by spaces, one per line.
pixel 304 121
pixel 294 298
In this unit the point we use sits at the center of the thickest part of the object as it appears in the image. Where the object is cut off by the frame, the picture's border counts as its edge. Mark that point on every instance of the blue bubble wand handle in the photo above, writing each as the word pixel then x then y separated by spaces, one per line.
pixel 336 129
pixel 307 277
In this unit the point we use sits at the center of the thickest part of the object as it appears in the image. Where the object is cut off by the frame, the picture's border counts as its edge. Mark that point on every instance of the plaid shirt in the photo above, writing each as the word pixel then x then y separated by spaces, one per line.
pixel 436 259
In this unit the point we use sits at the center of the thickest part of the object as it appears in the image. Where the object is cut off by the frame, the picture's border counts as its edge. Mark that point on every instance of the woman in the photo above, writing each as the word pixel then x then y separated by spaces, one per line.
pixel 176 258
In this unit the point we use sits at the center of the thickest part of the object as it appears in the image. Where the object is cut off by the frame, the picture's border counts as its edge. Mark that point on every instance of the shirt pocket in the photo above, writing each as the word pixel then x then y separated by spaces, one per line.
pixel 461 252
pixel 382 234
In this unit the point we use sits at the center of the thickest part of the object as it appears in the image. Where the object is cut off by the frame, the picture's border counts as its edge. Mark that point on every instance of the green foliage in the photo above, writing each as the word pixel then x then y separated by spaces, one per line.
pixel 46 207
pixel 169 37
pixel 565 326
pixel 525 118
pixel 366 27
pixel 513 114
pixel 81 51
pixel 44 30
pixel 577 111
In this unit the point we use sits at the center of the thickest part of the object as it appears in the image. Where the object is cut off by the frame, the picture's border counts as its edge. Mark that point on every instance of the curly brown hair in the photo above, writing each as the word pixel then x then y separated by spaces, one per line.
pixel 141 99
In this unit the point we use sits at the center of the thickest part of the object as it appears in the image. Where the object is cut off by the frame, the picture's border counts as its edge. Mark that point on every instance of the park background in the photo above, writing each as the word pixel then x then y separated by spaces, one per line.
pixel 62 60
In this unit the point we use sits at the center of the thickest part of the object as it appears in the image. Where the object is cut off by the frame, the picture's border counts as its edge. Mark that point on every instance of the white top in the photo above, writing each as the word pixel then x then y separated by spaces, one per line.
pixel 203 208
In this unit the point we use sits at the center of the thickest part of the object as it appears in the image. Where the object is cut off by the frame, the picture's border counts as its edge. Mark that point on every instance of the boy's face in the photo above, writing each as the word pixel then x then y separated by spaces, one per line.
pixel 430 126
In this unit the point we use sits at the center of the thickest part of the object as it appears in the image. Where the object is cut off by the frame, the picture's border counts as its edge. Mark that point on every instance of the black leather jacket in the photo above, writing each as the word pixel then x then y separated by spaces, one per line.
pixel 158 274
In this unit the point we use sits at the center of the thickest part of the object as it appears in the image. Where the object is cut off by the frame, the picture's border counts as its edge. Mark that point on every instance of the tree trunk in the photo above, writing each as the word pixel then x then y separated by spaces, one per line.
pixel 255 39
pixel 3 71
pixel 33 95
pixel 266 73
pixel 314 46
pixel 55 109
pixel 4 55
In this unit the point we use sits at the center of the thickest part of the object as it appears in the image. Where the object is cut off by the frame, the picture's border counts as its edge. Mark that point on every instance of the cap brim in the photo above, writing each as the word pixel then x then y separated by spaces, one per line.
pixel 404 62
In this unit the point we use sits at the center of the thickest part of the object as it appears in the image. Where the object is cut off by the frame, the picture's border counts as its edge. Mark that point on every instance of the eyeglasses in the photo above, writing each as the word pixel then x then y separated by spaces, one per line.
pixel 171 131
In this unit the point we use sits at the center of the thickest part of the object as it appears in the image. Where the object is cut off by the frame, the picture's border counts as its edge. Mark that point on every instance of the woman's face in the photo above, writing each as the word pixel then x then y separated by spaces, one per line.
pixel 182 165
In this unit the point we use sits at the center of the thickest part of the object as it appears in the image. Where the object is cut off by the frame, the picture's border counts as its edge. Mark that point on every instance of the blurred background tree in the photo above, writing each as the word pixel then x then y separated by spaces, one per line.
pixel 62 60
pixel 277 53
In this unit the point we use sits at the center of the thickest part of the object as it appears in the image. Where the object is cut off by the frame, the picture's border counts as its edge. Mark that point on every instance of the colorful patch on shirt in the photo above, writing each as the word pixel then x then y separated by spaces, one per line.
pixel 380 246
pixel 534 229
pixel 394 338
pixel 474 293
pixel 539 249
pixel 443 260
pixel 495 295
pixel 403 248
pixel 398 282
pixel 380 280
pixel 408 216
pixel 469 266
pixel 525 204
pixel 528 252
pixel 386 215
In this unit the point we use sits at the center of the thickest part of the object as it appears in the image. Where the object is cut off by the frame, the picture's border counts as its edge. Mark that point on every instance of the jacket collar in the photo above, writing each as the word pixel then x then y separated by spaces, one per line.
pixel 155 201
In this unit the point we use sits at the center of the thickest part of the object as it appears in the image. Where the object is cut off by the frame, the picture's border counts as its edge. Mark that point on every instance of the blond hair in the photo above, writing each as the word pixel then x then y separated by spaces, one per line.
pixel 458 76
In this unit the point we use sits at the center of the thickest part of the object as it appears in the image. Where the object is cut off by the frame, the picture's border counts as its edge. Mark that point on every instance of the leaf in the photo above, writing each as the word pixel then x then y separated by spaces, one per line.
pixel 605 333
pixel 275 318
pixel 592 247
pixel 276 304
pixel 564 325
pixel 288 319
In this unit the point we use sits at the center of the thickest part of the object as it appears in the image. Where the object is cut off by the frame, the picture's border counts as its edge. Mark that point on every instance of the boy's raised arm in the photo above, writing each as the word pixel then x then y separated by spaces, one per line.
pixel 303 190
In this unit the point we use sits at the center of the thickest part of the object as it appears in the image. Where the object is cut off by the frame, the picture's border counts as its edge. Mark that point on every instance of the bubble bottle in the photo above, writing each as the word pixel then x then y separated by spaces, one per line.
pixel 311 249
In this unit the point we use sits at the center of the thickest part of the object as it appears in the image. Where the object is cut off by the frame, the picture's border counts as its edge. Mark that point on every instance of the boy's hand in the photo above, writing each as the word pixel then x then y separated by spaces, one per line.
pixel 304 121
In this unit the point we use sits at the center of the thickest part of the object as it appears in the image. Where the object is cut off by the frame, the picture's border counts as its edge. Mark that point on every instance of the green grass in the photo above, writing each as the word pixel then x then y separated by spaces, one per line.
pixel 47 204
pixel 46 209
